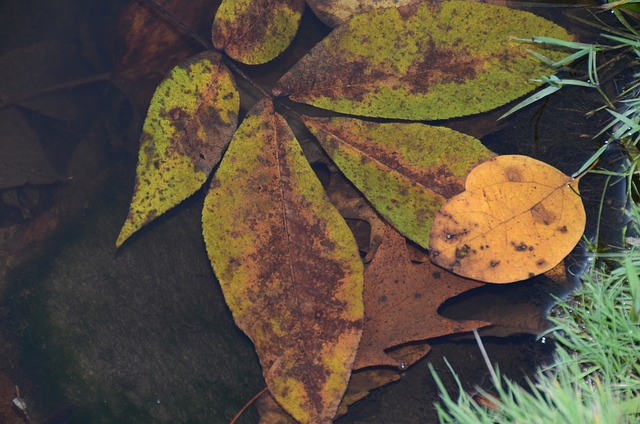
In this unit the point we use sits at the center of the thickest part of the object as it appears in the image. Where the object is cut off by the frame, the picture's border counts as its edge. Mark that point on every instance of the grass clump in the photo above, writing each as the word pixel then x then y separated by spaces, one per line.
pixel 595 377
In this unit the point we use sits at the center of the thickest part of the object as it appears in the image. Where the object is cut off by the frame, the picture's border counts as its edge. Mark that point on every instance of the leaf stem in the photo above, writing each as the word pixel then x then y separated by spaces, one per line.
pixel 235 419
pixel 173 19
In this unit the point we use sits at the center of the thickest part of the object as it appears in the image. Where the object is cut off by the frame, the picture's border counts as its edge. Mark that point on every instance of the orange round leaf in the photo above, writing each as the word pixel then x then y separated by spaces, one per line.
pixel 517 218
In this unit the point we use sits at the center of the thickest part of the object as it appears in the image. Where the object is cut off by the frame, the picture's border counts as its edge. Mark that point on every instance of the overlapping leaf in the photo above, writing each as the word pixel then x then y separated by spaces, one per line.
pixel 430 60
pixel 401 301
pixel 288 266
pixel 405 170
pixel 191 119
pixel 517 218
pixel 256 31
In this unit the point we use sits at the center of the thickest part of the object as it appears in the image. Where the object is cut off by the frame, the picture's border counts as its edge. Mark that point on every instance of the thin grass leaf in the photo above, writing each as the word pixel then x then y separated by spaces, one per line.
pixel 590 161
pixel 634 283
pixel 531 99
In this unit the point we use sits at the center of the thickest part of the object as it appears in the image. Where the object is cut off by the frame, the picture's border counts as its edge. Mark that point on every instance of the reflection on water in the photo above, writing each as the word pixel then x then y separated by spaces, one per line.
pixel 143 335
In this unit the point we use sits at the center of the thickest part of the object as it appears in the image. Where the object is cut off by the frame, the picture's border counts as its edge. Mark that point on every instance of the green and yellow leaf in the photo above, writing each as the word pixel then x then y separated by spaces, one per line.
pixel 190 121
pixel 288 266
pixel 406 171
pixel 429 60
pixel 256 31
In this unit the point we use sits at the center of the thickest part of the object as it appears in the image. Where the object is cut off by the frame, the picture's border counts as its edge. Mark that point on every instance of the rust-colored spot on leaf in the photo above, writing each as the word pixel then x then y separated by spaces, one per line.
pixel 528 212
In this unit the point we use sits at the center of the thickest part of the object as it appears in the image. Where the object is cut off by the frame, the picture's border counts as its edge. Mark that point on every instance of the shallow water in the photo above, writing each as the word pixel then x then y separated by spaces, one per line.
pixel 143 335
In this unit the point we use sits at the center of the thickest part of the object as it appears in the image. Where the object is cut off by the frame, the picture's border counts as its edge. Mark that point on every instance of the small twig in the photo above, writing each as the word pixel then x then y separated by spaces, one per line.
pixel 62 86
pixel 247 405
pixel 494 377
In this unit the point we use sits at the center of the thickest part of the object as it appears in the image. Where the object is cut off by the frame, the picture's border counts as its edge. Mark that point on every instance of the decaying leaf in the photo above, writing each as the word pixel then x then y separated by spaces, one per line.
pixel 192 116
pixel 288 266
pixel 429 60
pixel 361 384
pixel 401 301
pixel 364 381
pixel 336 12
pixel 353 206
pixel 406 171
pixel 517 218
pixel 22 159
pixel 147 45
pixel 256 31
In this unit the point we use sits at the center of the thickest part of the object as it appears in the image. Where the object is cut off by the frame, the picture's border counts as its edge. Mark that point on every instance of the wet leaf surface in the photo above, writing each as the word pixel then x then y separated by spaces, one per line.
pixel 336 12
pixel 401 301
pixel 517 218
pixel 191 119
pixel 429 60
pixel 406 171
pixel 256 31
pixel 287 264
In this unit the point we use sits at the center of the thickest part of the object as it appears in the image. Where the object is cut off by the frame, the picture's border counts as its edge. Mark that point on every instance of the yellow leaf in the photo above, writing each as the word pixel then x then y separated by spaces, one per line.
pixel 517 218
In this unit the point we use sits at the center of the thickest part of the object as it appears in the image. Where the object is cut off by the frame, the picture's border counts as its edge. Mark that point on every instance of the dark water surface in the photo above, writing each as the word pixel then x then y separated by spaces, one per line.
pixel 143 335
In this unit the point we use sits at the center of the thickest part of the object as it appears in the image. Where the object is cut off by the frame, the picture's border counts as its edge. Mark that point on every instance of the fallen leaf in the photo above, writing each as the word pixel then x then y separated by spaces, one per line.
pixel 287 264
pixel 405 170
pixel 401 302
pixel 22 159
pixel 517 218
pixel 147 45
pixel 38 67
pixel 360 385
pixel 192 117
pixel 336 12
pixel 353 206
pixel 256 31
pixel 364 381
pixel 429 60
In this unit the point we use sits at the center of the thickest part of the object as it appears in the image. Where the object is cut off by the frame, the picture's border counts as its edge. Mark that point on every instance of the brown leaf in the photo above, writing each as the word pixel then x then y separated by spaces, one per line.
pixel 353 206
pixel 401 302
pixel 517 218
pixel 147 45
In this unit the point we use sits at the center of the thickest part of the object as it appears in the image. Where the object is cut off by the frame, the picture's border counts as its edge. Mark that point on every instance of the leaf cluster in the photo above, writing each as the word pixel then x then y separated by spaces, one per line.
pixel 285 258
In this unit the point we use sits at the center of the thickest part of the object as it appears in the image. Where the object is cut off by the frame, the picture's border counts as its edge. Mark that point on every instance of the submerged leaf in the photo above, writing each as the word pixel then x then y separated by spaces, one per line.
pixel 256 31
pixel 147 45
pixel 406 171
pixel 517 218
pixel 192 116
pixel 433 60
pixel 401 302
pixel 288 266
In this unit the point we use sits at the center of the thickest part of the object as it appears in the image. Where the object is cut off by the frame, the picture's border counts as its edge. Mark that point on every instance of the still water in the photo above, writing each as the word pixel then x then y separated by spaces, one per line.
pixel 91 335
